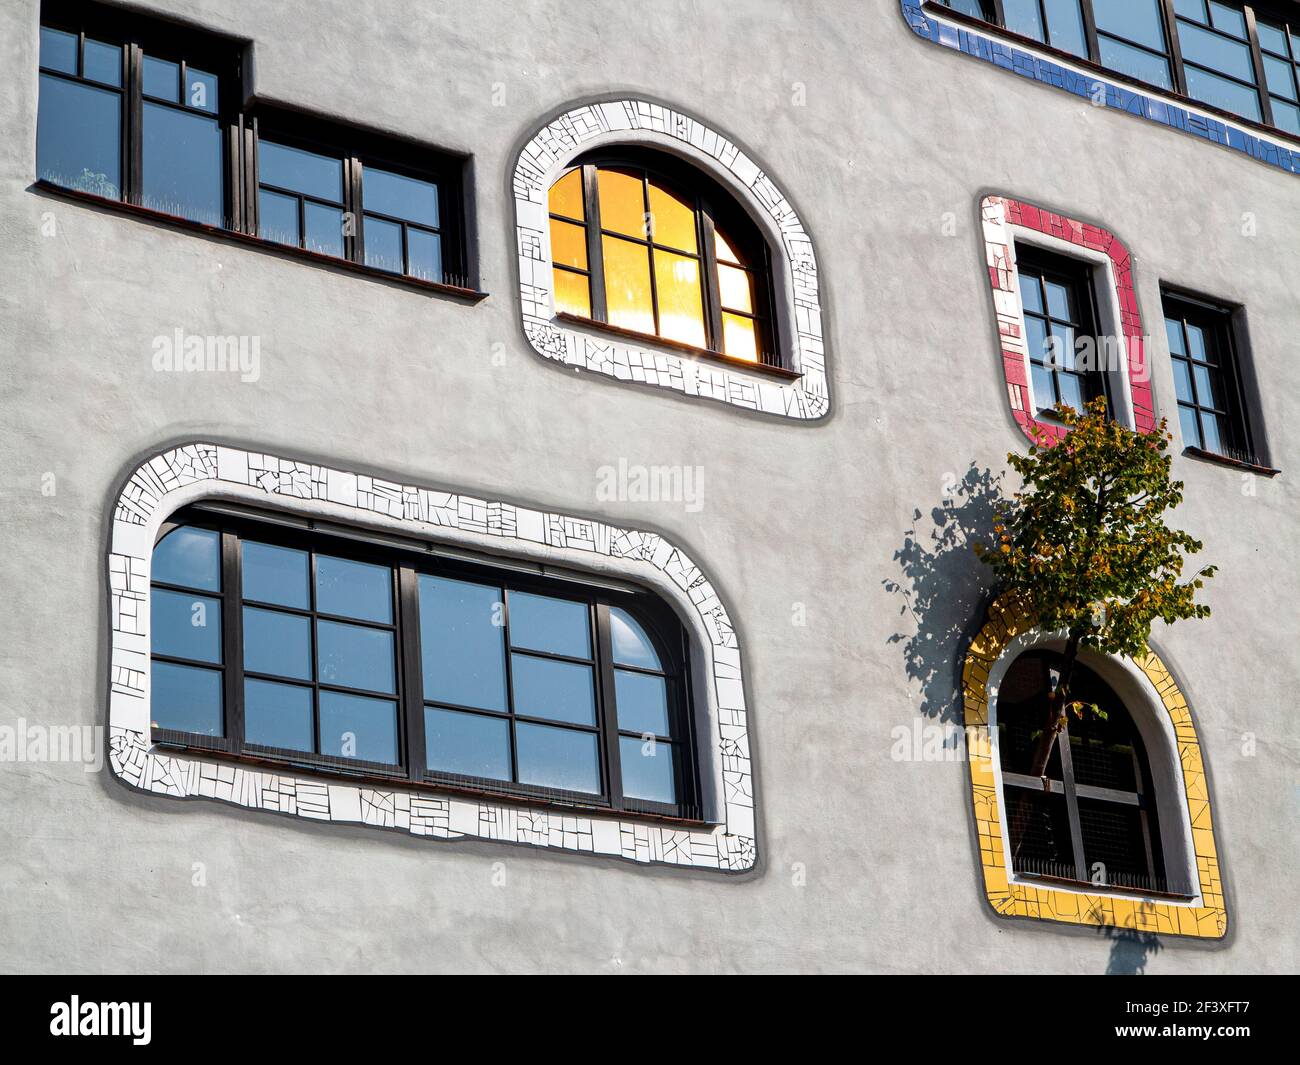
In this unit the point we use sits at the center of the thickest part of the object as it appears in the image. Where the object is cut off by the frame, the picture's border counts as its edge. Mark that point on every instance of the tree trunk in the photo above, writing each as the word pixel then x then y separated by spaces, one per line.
pixel 1055 722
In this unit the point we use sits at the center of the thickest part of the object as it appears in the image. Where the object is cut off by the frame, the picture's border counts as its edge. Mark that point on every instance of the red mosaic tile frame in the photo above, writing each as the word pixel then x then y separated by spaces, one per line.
pixel 1000 217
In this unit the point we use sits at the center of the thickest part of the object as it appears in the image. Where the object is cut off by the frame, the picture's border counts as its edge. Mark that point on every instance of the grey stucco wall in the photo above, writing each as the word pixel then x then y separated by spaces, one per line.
pixel 893 135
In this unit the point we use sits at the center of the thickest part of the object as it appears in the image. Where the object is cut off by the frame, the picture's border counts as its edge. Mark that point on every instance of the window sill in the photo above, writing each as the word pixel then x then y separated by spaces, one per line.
pixel 1011 37
pixel 1106 890
pixel 652 340
pixel 469 295
pixel 398 779
pixel 1231 463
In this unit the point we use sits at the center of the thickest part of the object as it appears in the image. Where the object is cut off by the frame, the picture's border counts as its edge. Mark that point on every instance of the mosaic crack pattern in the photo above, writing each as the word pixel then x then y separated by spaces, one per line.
pixel 642 122
pixel 1000 217
pixel 1208 920
pixel 176 477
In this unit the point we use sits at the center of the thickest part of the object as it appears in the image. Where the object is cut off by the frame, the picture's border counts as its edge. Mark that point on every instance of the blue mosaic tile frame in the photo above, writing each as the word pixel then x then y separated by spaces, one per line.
pixel 1118 97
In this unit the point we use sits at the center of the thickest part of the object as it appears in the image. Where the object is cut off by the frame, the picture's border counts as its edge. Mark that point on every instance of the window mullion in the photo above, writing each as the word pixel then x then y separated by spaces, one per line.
pixel 134 137
pixel 410 700
pixel 648 231
pixel 709 267
pixel 1175 49
pixel 608 716
pixel 510 684
pixel 1257 64
pixel 353 243
pixel 1090 31
pixel 1072 802
pixel 232 640
pixel 595 254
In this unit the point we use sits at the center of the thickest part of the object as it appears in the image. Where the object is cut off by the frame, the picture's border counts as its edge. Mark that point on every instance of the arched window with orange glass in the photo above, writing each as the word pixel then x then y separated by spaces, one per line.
pixel 649 246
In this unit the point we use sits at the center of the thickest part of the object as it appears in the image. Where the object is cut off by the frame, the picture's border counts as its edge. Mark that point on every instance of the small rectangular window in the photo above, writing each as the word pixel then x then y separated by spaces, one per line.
pixel 1207 378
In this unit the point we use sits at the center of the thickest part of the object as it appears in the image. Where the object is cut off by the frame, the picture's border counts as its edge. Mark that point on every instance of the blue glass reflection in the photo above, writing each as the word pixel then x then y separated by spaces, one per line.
pixel 186 698
pixel 557 626
pixel 324 229
pixel 102 62
pixel 632 646
pixel 299 170
pixel 79 137
pixel 409 199
pixel 462 643
pixel 276 575
pixel 182 172
pixel 561 691
pixel 646 770
pixel 189 557
pixel 353 656
pixel 278 715
pixel 162 79
pixel 277 643
pixel 642 702
pixel 185 626
pixel 468 745
pixel 383 245
pixel 557 758
pixel 354 726
pixel 424 250
pixel 354 589
pixel 277 217
pixel 58 50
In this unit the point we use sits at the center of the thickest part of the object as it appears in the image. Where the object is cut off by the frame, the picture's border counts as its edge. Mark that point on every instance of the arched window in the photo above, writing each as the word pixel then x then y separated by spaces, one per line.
pixel 644 243
pixel 1098 824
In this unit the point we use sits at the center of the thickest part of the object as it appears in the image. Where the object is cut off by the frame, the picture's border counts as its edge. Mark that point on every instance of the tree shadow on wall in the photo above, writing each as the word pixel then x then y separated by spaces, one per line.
pixel 1130 950
pixel 945 588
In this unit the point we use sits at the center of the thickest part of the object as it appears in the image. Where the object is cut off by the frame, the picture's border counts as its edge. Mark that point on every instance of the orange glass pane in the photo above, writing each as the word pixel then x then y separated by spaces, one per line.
pixel 733 286
pixel 681 306
pixel 723 251
pixel 627 284
pixel 568 244
pixel 739 338
pixel 566 196
pixel 672 219
pixel 622 202
pixel 572 293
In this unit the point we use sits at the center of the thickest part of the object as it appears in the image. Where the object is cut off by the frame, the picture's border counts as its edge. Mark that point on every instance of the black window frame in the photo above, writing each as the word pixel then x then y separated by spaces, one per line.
pixel 714 209
pixel 408 561
pixel 1274 12
pixel 241 121
pixel 1078 276
pixel 1218 323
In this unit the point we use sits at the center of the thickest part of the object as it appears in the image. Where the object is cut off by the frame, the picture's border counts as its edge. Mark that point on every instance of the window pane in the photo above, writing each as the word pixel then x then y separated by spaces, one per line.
pixel 1174 331
pixel 277 643
pixel 306 172
pixel 672 219
pixel 1196 342
pixel 201 90
pixel 568 244
pixel 424 250
pixel 1036 339
pixel 622 202
pixel 681 304
pixel 162 80
pixel 462 643
pixel 1206 394
pixel 1031 292
pixel 277 217
pixel 566 196
pixel 1211 432
pixel 103 62
pixel 58 50
pixel 1044 394
pixel 185 626
pixel 182 165
pixel 351 656
pixel 1112 836
pixel 1071 389
pixel 1065 26
pixel 1136 20
pixel 1271 38
pixel 642 702
pixel 739 338
pixel 384 245
pixel 1190 426
pixel 1280 77
pixel 1062 346
pixel 723 250
pixel 78 137
pixel 561 691
pixel 468 745
pixel 1194 9
pixel 354 589
pixel 572 294
pixel 541 623
pixel 323 229
pixel 278 715
pixel 1134 62
pixel 1023 16
pixel 557 758
pixel 1059 304
pixel 275 574
pixel 1213 50
pixel 734 288
pixel 1182 381
pixel 1286 116
pixel 1228 19
pixel 190 558
pixel 1220 92
pixel 627 284
pixel 402 197
pixel 353 726
pixel 632 647
pixel 1040 832
pixel 186 698
pixel 647 770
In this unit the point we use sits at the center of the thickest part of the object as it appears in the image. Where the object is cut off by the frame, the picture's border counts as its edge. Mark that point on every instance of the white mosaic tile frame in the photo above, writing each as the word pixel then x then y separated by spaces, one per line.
pixel 635 121
pixel 182 475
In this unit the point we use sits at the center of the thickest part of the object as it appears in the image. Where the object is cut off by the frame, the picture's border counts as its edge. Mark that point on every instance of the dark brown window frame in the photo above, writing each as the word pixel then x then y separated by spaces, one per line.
pixel 407 562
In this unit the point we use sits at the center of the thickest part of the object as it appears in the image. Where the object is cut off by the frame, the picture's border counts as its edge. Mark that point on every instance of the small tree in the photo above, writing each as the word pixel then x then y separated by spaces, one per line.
pixel 1083 544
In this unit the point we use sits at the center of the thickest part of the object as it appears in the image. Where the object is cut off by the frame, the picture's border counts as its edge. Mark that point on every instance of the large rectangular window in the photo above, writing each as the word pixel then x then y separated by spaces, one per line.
pixel 278 645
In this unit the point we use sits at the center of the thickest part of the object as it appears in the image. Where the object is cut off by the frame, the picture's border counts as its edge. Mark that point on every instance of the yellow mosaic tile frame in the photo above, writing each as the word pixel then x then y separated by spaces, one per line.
pixel 1006 621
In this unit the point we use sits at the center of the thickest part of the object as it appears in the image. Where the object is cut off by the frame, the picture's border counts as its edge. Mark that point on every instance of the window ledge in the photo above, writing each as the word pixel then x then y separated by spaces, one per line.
pixel 676 345
pixel 1224 460
pixel 469 295
pixel 991 29
pixel 1107 890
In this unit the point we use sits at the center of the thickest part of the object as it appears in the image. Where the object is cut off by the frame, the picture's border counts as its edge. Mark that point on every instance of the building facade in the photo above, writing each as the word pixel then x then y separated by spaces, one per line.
pixel 491 487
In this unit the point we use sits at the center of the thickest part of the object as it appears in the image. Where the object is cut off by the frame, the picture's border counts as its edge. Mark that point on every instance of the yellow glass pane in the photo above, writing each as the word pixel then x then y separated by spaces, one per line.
pixel 723 251
pixel 622 202
pixel 733 286
pixel 566 196
pixel 627 284
pixel 572 293
pixel 672 219
pixel 568 244
pixel 739 338
pixel 681 306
